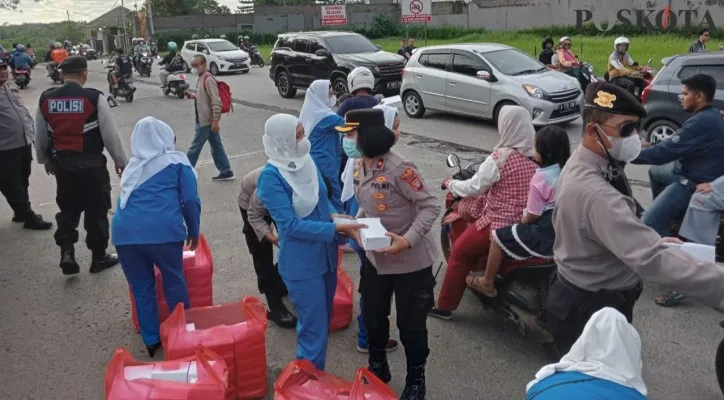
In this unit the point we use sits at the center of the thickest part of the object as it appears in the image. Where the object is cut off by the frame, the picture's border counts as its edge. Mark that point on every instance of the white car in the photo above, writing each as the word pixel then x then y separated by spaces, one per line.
pixel 221 55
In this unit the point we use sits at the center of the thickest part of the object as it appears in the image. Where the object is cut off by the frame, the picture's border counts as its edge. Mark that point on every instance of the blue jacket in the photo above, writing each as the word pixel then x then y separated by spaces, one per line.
pixel 21 60
pixel 579 386
pixel 308 246
pixel 326 146
pixel 157 210
pixel 698 145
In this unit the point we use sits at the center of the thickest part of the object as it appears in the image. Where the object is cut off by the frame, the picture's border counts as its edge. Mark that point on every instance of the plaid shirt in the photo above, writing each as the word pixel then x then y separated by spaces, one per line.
pixel 507 198
pixel 697 47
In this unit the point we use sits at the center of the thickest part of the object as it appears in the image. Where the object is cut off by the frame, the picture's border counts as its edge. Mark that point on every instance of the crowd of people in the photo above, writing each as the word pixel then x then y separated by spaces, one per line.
pixel 336 162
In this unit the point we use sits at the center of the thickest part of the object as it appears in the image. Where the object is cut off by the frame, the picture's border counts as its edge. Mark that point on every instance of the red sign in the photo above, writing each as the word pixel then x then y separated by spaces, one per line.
pixel 335 14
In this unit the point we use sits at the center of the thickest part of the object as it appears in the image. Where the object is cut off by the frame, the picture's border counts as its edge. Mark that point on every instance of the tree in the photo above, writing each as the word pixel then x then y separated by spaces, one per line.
pixel 11 4
pixel 185 7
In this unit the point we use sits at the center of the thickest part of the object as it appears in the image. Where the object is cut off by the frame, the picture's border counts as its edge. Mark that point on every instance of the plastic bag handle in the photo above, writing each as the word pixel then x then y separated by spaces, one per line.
pixel 203 355
pixel 374 385
pixel 254 310
pixel 293 369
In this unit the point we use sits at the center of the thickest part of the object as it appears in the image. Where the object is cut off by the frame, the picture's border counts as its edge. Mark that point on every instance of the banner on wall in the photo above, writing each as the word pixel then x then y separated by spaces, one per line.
pixel 335 14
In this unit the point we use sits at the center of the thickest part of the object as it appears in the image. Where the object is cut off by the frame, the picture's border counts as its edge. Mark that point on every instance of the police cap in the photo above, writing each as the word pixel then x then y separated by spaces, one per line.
pixel 356 119
pixel 73 64
pixel 613 99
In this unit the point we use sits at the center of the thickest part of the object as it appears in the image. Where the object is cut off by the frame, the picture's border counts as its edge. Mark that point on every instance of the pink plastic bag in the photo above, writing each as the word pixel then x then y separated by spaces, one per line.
pixel 343 304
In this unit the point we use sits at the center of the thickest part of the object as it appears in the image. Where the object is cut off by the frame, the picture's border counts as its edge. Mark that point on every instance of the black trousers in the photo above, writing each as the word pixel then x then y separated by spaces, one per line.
pixel 15 178
pixel 570 308
pixel 262 253
pixel 86 191
pixel 629 84
pixel 414 298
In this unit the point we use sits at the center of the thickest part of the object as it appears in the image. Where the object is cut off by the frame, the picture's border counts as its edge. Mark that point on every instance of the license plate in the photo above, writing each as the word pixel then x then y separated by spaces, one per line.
pixel 567 106
pixel 238 64
pixel 394 85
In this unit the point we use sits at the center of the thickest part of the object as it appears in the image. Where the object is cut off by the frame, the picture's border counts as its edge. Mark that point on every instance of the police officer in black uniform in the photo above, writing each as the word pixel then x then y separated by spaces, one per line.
pixel 73 126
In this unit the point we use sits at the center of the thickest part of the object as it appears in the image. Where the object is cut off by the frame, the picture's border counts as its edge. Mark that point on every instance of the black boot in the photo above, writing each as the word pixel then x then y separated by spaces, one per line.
pixel 67 262
pixel 279 314
pixel 102 263
pixel 415 388
pixel 35 222
pixel 378 365
pixel 152 349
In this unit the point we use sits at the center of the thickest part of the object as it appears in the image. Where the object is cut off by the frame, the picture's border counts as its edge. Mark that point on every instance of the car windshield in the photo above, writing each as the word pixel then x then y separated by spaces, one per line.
pixel 221 46
pixel 513 62
pixel 350 44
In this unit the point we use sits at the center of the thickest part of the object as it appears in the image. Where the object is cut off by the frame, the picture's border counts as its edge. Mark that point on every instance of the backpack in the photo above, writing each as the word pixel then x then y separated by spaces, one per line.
pixel 124 65
pixel 224 93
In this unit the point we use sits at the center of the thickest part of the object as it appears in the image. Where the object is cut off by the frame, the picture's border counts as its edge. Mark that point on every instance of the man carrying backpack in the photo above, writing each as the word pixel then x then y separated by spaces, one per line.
pixel 208 107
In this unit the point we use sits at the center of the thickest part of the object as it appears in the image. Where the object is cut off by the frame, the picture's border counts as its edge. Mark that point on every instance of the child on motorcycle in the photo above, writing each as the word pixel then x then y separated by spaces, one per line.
pixel 534 236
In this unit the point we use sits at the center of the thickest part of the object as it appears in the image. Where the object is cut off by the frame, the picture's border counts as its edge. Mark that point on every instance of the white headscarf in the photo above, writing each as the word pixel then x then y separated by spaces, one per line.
pixel 293 161
pixel 609 348
pixel 317 105
pixel 515 126
pixel 152 150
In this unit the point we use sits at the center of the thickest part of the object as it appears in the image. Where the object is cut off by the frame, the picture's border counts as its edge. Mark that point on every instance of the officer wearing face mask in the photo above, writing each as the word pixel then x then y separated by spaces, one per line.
pixel 602 249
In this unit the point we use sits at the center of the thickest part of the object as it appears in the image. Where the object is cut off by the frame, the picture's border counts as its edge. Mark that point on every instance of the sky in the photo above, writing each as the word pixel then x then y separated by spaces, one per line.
pixel 80 10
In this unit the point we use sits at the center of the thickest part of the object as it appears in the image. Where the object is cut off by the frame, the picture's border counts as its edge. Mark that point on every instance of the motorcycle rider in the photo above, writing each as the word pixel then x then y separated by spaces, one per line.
pixel 122 66
pixel 566 58
pixel 546 54
pixel 57 56
pixel 138 52
pixel 623 71
pixel 222 36
pixel 21 60
pixel 47 55
pixel 68 45
pixel 194 36
pixel 245 44
pixel 172 63
pixel 602 248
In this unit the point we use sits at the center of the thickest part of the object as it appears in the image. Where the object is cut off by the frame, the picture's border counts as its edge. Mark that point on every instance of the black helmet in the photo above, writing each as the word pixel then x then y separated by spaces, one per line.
pixel 546 41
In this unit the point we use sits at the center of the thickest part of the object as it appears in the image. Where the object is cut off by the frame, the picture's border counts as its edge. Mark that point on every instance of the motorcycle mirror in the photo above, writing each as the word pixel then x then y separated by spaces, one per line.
pixel 112 101
pixel 453 161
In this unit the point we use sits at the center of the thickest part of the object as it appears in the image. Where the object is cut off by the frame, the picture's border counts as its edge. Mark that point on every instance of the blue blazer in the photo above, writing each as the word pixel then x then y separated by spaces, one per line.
pixel 327 146
pixel 307 246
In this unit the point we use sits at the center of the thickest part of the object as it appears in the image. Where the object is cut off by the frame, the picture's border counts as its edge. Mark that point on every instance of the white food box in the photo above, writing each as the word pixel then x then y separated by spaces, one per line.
pixel 190 327
pixel 194 372
pixel 342 221
pixel 394 101
pixel 373 237
pixel 138 372
pixel 180 374
pixel 701 251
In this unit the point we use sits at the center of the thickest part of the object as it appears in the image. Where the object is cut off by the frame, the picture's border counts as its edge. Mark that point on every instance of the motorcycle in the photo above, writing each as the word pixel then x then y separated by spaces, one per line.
pixel 73 51
pixel 522 285
pixel 154 49
pixel 144 64
pixel 125 89
pixel 647 74
pixel 176 84
pixel 22 78
pixel 54 73
pixel 256 58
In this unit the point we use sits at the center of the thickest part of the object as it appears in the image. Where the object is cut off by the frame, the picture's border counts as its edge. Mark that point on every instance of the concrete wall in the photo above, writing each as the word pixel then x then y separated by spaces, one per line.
pixel 495 15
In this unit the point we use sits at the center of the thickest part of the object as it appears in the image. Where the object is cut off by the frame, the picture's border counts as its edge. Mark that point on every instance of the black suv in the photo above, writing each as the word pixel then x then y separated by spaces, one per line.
pixel 661 97
pixel 298 59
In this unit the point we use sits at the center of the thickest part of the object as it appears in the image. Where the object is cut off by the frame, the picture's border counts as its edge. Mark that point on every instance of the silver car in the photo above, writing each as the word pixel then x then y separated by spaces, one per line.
pixel 478 79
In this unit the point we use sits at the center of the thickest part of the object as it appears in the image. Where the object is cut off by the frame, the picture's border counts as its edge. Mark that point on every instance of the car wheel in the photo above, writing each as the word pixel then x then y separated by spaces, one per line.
pixel 214 69
pixel 284 86
pixel 660 130
pixel 340 86
pixel 413 104
pixel 498 107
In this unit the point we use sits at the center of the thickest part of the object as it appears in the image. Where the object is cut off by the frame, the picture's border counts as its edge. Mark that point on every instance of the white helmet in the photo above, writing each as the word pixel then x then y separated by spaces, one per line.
pixel 563 39
pixel 620 40
pixel 360 78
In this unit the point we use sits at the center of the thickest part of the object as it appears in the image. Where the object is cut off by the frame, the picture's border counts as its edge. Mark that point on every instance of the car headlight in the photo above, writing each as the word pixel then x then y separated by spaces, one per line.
pixel 222 58
pixel 534 91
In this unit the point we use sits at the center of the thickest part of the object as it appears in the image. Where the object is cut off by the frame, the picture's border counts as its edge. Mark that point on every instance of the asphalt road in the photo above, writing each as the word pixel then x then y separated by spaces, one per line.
pixel 57 334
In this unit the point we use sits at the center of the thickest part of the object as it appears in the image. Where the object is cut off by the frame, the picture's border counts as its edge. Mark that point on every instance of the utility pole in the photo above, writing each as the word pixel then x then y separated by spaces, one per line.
pixel 123 19
pixel 150 16
pixel 70 24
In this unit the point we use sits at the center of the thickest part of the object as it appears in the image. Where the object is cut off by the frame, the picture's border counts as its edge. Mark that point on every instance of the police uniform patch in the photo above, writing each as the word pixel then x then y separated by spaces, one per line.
pixel 675 139
pixel 381 179
pixel 382 207
pixel 378 196
pixel 356 173
pixel 380 163
pixel 410 176
pixel 605 99
pixel 65 106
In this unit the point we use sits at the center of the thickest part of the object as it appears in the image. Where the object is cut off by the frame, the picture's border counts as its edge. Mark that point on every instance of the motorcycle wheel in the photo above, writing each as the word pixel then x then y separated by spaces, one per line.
pixel 129 97
pixel 166 91
pixel 261 63
pixel 180 95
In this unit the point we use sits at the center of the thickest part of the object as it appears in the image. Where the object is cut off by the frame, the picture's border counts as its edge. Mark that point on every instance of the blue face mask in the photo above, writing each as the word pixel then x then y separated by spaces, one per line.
pixel 350 148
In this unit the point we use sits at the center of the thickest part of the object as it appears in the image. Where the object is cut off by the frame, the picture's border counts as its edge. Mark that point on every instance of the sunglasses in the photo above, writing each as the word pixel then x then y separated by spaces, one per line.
pixel 625 130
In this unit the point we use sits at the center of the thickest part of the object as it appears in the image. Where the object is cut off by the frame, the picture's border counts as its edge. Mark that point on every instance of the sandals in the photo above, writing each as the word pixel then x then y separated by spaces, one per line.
pixel 669 299
pixel 476 282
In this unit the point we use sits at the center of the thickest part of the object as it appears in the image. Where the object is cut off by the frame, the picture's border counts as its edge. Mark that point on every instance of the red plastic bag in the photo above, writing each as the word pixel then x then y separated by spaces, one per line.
pixel 198 269
pixel 342 306
pixel 300 380
pixel 235 331
pixel 211 384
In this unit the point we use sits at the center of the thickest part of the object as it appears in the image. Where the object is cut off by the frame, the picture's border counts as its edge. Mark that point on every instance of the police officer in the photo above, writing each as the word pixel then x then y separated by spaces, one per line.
pixel 602 248
pixel 390 188
pixel 72 127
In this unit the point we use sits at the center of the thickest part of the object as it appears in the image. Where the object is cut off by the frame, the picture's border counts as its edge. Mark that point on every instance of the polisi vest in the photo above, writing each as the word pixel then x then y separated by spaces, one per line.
pixel 71 112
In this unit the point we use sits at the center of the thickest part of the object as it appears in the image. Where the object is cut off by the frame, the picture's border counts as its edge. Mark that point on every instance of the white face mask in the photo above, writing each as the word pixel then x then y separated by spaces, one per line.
pixel 303 147
pixel 332 100
pixel 623 149
pixel 195 71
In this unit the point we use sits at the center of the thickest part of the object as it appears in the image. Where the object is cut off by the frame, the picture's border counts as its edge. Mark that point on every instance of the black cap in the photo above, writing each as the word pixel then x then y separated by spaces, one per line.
pixel 73 64
pixel 613 99
pixel 355 119
pixel 3 64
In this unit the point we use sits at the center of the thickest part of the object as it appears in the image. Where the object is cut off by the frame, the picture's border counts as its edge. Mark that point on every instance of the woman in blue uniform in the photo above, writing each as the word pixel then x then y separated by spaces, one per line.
pixel 294 193
pixel 158 196
pixel 319 122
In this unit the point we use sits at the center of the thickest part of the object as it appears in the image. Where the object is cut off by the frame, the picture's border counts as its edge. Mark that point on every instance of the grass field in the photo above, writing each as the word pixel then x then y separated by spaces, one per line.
pixel 593 49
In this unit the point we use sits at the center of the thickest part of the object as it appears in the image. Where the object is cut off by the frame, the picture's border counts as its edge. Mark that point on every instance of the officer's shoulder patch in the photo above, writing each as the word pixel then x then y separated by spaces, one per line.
pixel 412 178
